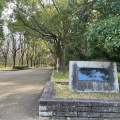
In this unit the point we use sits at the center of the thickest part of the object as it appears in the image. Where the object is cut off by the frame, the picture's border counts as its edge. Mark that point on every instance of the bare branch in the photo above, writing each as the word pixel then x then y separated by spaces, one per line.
pixel 55 5
pixel 42 4
pixel 44 29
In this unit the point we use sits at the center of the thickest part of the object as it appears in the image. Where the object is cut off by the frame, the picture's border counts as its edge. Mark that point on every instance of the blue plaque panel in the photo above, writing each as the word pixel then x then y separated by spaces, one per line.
pixel 95 74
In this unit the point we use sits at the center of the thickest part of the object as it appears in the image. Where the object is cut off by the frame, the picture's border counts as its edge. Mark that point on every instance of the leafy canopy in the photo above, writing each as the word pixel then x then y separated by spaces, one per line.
pixel 104 34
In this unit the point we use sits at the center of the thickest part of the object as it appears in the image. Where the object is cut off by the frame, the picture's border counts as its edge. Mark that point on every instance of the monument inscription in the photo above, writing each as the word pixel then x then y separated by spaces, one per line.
pixel 91 76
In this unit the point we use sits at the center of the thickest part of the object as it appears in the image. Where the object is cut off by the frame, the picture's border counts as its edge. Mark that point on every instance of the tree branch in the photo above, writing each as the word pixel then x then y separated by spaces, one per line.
pixel 42 4
pixel 55 6
pixel 44 33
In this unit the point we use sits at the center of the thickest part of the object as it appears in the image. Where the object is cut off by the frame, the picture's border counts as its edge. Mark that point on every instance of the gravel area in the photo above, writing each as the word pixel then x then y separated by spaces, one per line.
pixel 20 92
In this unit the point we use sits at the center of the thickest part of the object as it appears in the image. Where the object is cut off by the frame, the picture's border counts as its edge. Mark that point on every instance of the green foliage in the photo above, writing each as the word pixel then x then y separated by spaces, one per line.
pixel 81 16
pixel 60 75
pixel 2 3
pixel 103 35
pixel 63 25
pixel 21 67
pixel 1 34
pixel 108 7
pixel 85 29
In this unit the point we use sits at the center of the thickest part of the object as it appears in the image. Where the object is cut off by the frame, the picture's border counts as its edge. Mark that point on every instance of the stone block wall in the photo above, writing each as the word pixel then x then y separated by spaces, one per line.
pixel 76 109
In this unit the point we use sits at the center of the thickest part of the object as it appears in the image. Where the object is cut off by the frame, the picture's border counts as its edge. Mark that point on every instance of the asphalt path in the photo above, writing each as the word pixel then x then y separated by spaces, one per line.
pixel 20 92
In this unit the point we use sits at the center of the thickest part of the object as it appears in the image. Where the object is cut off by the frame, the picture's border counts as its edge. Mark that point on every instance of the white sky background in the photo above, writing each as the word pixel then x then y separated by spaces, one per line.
pixel 10 6
pixel 8 11
pixel 6 15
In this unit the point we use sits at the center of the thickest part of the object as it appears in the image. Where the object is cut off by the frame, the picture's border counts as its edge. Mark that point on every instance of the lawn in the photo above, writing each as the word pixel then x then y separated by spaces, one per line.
pixel 60 76
pixel 119 77
pixel 87 95
pixel 19 67
pixel 7 68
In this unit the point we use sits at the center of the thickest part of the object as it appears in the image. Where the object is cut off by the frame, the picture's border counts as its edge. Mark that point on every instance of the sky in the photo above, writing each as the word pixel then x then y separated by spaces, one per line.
pixel 8 11
pixel 6 16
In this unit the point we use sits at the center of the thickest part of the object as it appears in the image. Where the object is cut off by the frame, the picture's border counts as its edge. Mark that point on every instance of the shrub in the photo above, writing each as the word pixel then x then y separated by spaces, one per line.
pixel 20 67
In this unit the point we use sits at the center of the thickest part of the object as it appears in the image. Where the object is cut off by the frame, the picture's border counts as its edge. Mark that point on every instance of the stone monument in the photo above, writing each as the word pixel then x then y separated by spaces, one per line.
pixel 92 76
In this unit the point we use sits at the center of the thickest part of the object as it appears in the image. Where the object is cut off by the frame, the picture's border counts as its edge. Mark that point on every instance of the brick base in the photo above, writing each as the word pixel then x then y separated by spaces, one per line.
pixel 77 109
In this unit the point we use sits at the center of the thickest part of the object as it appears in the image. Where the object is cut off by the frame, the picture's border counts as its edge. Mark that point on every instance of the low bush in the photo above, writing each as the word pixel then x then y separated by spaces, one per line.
pixel 20 67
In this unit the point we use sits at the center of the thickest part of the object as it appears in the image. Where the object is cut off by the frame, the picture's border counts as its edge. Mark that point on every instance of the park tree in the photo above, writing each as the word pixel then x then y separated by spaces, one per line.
pixel 31 53
pixel 82 15
pixel 22 49
pixel 15 46
pixel 64 26
pixel 47 20
pixel 38 52
pixel 57 22
pixel 5 47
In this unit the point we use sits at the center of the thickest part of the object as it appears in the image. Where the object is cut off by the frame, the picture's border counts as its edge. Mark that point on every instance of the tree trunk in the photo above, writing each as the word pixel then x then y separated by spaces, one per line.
pixel 63 61
pixel 31 62
pixel 27 61
pixel 14 61
pixel 22 61
pixel 62 58
pixel 34 63
pixel 5 62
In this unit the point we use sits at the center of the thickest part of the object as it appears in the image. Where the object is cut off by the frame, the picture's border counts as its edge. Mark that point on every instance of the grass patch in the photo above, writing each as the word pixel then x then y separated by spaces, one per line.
pixel 60 76
pixel 89 95
pixel 119 77
pixel 7 68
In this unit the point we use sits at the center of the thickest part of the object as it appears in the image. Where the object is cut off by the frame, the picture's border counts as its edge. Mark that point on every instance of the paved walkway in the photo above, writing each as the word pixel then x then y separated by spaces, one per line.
pixel 20 92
